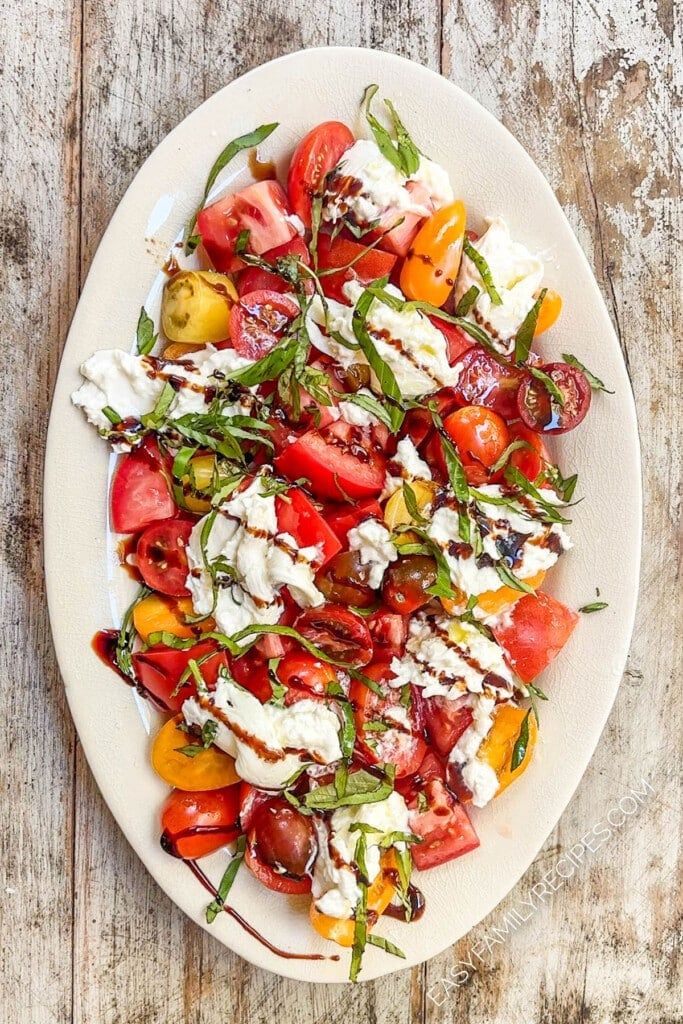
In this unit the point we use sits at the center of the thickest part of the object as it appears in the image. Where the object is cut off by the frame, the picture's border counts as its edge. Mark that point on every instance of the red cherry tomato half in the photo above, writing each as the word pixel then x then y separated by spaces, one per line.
pixel 159 670
pixel 389 632
pixel 161 556
pixel 196 824
pixel 431 768
pixel 445 828
pixel 258 320
pixel 282 841
pixel 445 722
pixel 481 436
pixel 260 209
pixel 314 157
pixel 535 631
pixel 337 632
pixel 335 463
pixel 530 461
pixel 398 744
pixel 255 279
pixel 140 494
pixel 298 516
pixel 485 381
pixel 418 424
pixel 457 341
pixel 339 252
pixel 300 669
pixel 250 670
pixel 541 412
pixel 343 518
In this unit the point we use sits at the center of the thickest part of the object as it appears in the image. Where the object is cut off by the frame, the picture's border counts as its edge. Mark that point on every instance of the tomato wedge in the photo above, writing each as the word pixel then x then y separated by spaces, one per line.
pixel 260 209
pixel 445 722
pixel 343 518
pixel 196 824
pixel 485 381
pixel 389 632
pixel 335 463
pixel 540 411
pixel 445 828
pixel 298 516
pixel 339 252
pixel 338 632
pixel 378 740
pixel 457 341
pixel 314 157
pixel 159 670
pixel 140 494
pixel 161 556
pixel 255 279
pixel 530 461
pixel 534 632
pixel 258 321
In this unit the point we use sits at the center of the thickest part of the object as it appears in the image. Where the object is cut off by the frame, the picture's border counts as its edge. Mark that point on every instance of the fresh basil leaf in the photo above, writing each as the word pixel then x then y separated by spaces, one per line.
pixel 214 908
pixel 510 580
pixel 111 415
pixel 525 335
pixel 595 382
pixel 467 301
pixel 374 406
pixel 360 855
pixel 383 139
pixel 514 446
pixel 155 419
pixel 360 932
pixel 316 220
pixel 412 506
pixel 127 634
pixel 484 271
pixel 383 372
pixel 382 943
pixel 268 367
pixel 242 241
pixel 361 787
pixel 596 606
pixel 407 150
pixel 517 479
pixel 146 338
pixel 548 383
pixel 521 744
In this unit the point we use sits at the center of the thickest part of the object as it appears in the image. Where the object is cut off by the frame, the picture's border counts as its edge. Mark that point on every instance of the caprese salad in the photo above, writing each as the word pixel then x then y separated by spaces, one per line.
pixel 335 492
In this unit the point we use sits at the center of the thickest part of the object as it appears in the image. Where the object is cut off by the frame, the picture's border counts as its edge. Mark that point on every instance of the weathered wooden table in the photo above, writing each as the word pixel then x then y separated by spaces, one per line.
pixel 88 89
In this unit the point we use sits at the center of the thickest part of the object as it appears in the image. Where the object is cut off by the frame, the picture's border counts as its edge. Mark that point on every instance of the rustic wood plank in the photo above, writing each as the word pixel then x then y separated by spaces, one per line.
pixel 39 83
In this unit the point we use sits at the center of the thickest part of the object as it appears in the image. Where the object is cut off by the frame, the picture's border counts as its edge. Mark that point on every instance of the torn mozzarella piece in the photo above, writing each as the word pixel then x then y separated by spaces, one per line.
pixel 375 548
pixel 478 776
pixel 269 743
pixel 410 465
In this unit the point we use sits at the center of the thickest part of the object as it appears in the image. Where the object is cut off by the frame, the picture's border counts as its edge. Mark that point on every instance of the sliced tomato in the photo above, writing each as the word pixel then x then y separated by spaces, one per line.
pixel 457 341
pixel 534 632
pixel 315 156
pixel 431 768
pixel 485 381
pixel 445 828
pixel 335 463
pixel 541 412
pixel 445 722
pixel 281 847
pixel 140 492
pixel 378 741
pixel 342 518
pixel 250 670
pixel 480 436
pixel 196 824
pixel 400 226
pixel 418 424
pixel 255 279
pixel 258 321
pixel 301 670
pixel 250 799
pixel 406 583
pixel 339 252
pixel 389 633
pixel 260 209
pixel 530 461
pixel 161 557
pixel 298 516
pixel 159 670
pixel 338 632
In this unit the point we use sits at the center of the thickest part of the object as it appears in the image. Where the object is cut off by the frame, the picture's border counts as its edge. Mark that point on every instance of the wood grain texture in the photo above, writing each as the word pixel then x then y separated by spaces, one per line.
pixel 590 91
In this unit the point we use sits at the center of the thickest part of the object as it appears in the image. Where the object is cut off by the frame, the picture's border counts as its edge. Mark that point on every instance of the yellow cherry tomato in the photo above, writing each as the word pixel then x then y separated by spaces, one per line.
pixel 551 307
pixel 493 602
pixel 431 266
pixel 380 894
pixel 498 746
pixel 209 769
pixel 197 480
pixel 176 350
pixel 157 613
pixel 195 307
pixel 396 511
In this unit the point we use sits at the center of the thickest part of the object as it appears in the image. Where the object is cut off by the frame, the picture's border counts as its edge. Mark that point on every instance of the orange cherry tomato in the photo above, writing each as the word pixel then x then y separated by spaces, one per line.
pixel 179 350
pixel 380 895
pixel 498 746
pixel 157 613
pixel 431 266
pixel 481 436
pixel 551 307
pixel 207 770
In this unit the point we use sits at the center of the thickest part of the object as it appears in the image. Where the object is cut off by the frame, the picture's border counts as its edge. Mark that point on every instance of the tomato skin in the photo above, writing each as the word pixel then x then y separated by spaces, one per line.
pixel 398 240
pixel 445 722
pixel 337 632
pixel 404 749
pixel 431 768
pixel 433 260
pixel 340 251
pixel 335 470
pixel 282 838
pixel 418 424
pixel 216 811
pixel 159 670
pixel 261 209
pixel 140 493
pixel 298 516
pixel 250 670
pixel 315 156
pixel 258 320
pixel 457 341
pixel 406 580
pixel 343 518
pixel 161 556
pixel 529 461
pixel 389 632
pixel 445 828
pixel 540 413
pixel 272 879
pixel 484 381
pixel 255 279
pixel 302 670
pixel 538 627
pixel 480 436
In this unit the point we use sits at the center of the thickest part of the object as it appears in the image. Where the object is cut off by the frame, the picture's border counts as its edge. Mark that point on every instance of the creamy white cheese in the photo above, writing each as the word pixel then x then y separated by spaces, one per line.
pixel 268 742
pixel 536 545
pixel 245 535
pixel 479 777
pixel 517 275
pixel 378 187
pixel 355 414
pixel 447 658
pixel 407 341
pixel 410 465
pixel 131 384
pixel 375 547
pixel 335 889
